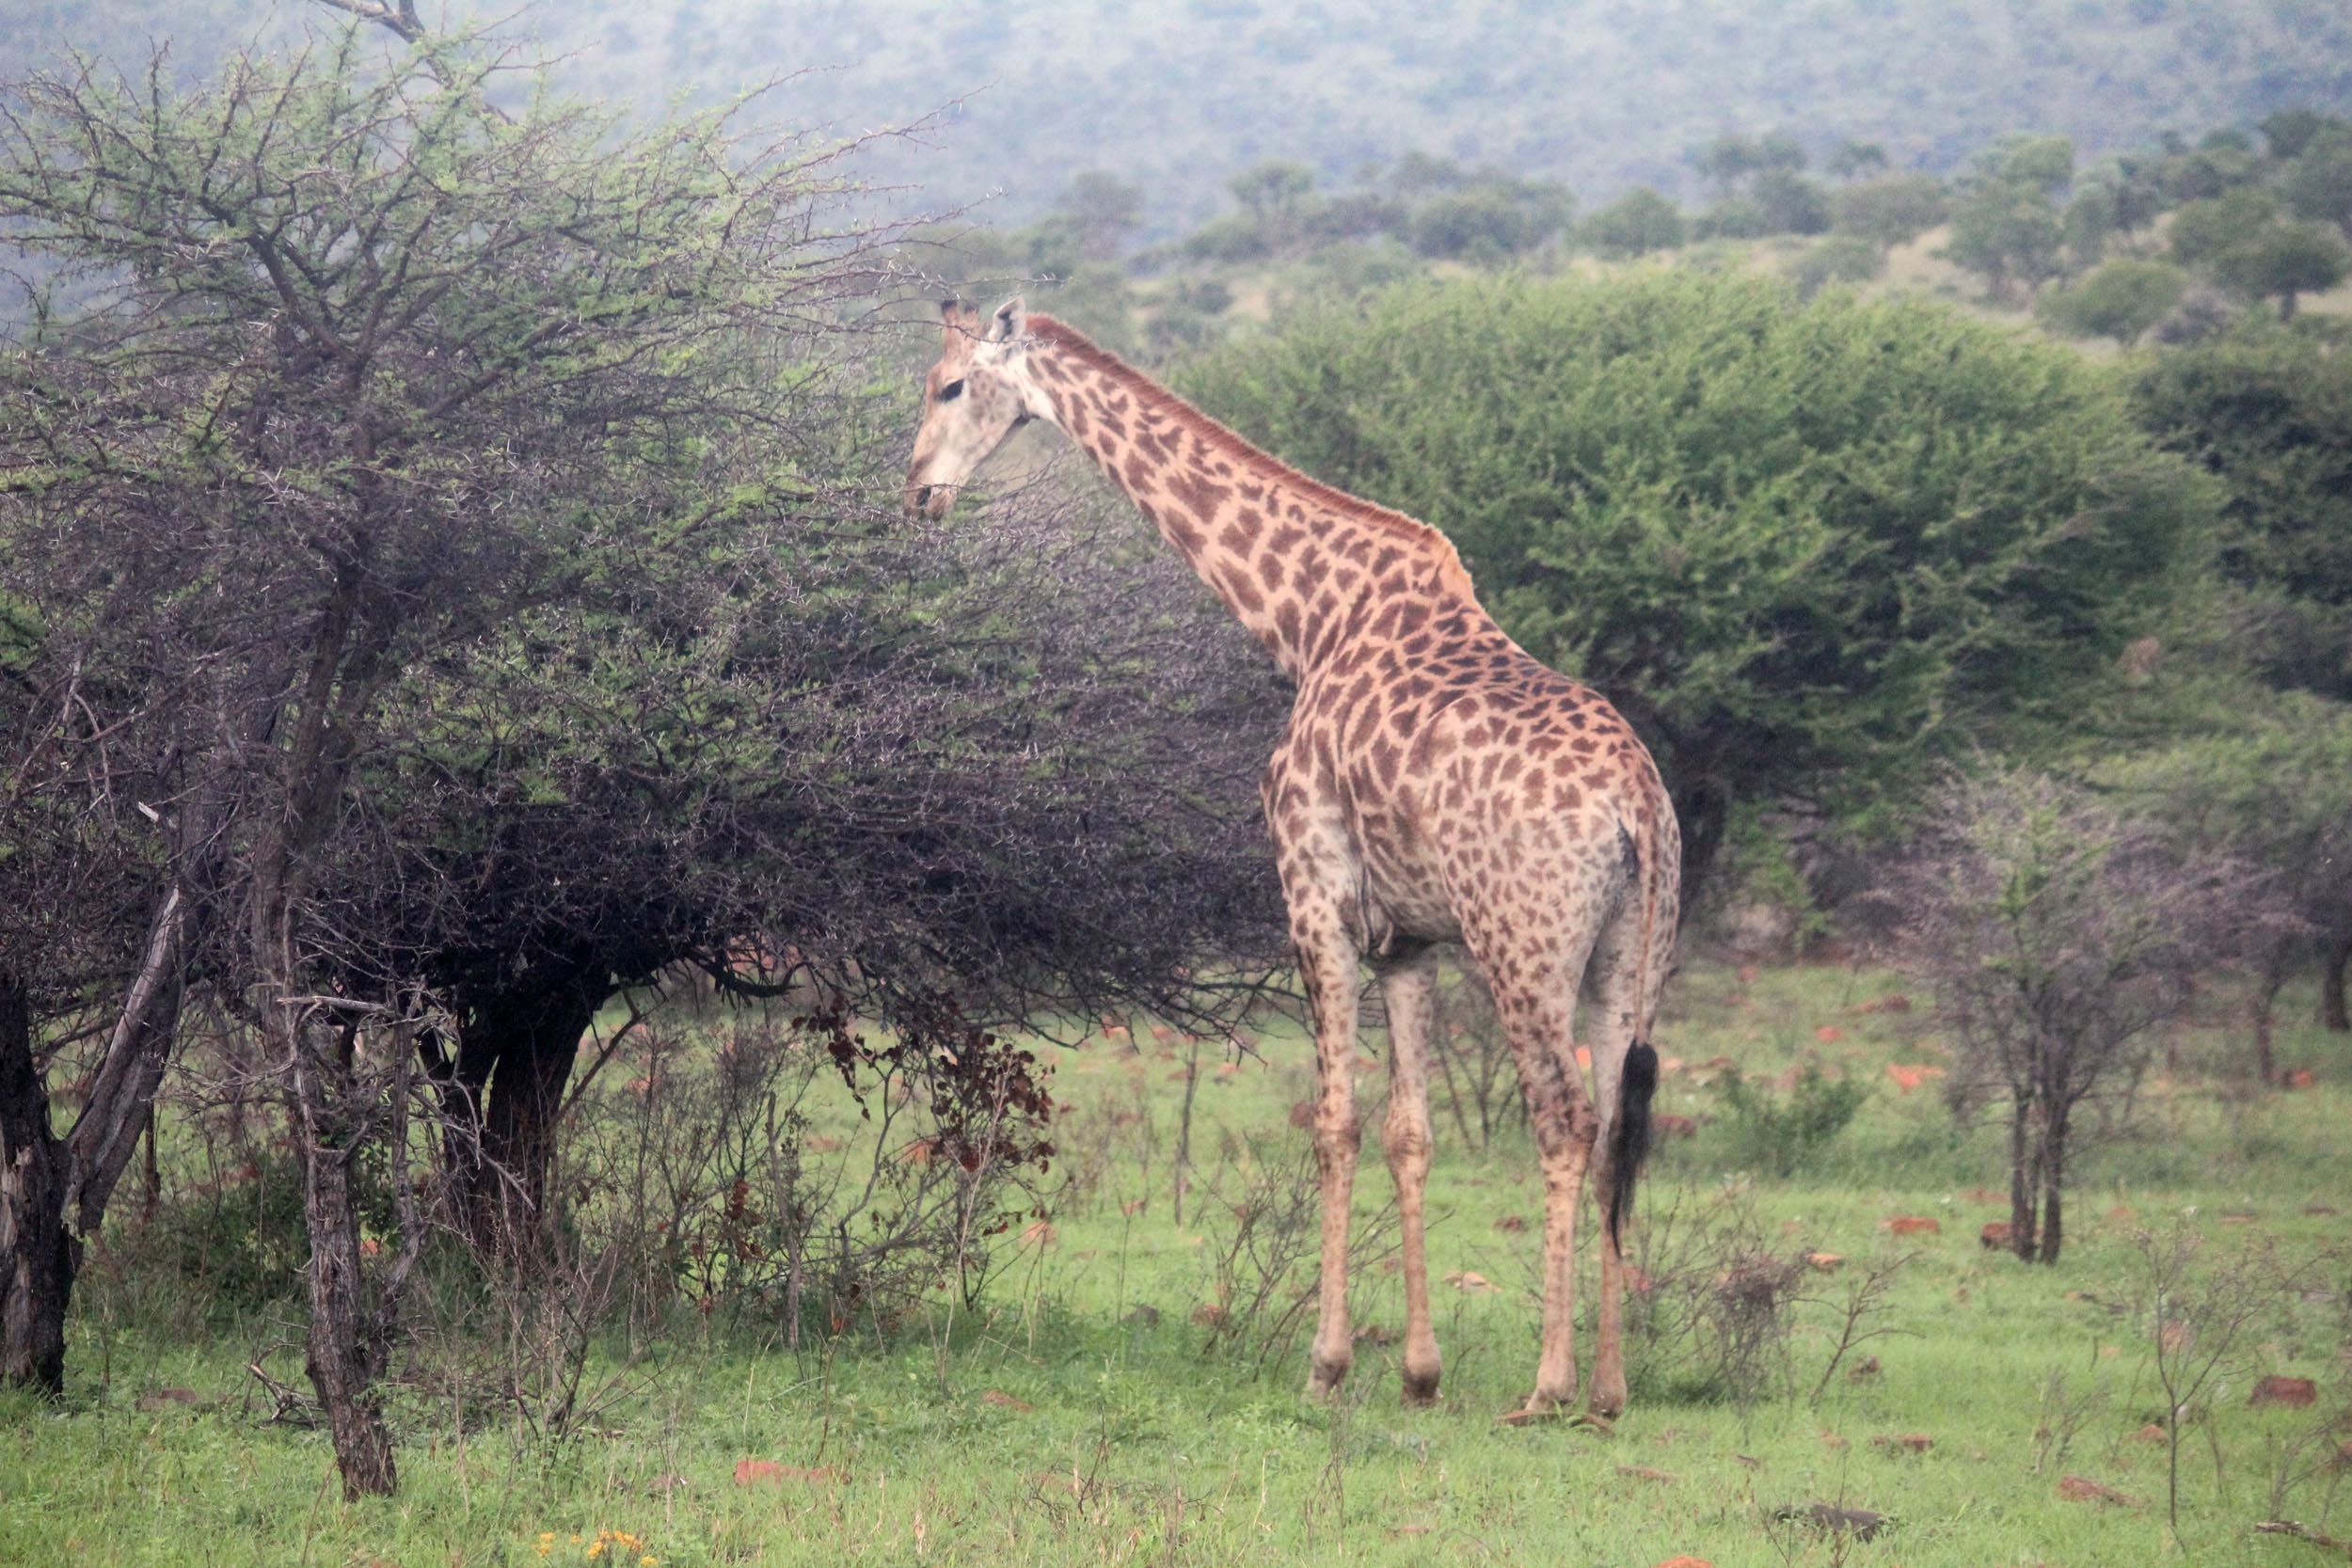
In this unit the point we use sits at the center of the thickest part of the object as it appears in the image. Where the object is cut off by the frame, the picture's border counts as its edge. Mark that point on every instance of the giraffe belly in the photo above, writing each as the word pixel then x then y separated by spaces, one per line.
pixel 1409 899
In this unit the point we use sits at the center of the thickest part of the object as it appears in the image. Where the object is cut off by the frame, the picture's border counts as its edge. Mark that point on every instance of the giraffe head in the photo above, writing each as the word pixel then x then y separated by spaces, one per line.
pixel 973 398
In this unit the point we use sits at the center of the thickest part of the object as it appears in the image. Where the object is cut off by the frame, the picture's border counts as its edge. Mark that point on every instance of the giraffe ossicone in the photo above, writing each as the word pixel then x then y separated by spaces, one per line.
pixel 1437 784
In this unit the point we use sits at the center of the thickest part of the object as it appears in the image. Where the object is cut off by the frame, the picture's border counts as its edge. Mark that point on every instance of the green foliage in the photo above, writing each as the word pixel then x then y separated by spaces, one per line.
pixel 1806 547
pixel 1493 219
pixel 1635 224
pixel 1782 1134
pixel 2284 260
pixel 2122 300
pixel 1894 210
pixel 2201 230
pixel 2009 232
pixel 1839 259
pixel 2318 184
pixel 2270 413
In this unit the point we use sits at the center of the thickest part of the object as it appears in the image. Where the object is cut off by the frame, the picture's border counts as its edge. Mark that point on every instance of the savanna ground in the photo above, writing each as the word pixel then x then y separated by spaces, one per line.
pixel 1089 1408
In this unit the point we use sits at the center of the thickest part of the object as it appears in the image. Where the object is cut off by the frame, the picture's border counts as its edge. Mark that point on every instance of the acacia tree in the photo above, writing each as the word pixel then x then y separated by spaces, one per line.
pixel 2058 937
pixel 1008 765
pixel 2270 413
pixel 367 367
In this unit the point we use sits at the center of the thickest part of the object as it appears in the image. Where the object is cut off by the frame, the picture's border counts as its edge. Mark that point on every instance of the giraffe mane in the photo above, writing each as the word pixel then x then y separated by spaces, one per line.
pixel 1260 462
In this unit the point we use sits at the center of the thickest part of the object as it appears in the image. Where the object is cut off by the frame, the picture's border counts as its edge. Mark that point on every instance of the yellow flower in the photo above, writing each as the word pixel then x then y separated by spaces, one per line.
pixel 647 1562
pixel 597 1548
pixel 547 1535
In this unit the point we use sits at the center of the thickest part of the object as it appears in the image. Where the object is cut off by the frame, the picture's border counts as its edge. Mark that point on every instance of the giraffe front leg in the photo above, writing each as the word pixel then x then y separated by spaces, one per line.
pixel 1410 991
pixel 1328 962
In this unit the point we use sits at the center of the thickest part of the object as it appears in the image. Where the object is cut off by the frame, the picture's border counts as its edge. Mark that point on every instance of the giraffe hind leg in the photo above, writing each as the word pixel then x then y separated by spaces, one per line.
pixel 1624 990
pixel 1408 986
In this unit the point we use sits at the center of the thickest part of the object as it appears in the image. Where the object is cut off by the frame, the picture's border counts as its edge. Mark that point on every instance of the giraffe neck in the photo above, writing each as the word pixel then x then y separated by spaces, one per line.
pixel 1304 568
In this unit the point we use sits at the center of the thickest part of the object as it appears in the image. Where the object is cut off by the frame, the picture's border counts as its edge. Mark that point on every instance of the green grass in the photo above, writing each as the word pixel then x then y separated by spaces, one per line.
pixel 1052 1425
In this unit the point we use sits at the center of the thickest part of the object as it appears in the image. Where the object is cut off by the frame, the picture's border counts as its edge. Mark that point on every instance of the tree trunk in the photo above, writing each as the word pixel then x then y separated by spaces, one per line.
pixel 2053 1180
pixel 2262 1008
pixel 54 1191
pixel 1703 813
pixel 2335 959
pixel 346 1331
pixel 2021 1182
pixel 39 1257
pixel 514 1063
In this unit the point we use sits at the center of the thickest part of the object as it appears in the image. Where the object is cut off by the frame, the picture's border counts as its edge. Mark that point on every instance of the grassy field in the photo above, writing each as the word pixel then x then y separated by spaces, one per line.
pixel 1082 1415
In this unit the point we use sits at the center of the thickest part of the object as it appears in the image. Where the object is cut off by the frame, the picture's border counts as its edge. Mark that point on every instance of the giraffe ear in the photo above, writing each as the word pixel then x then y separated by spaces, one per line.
pixel 958 328
pixel 1012 321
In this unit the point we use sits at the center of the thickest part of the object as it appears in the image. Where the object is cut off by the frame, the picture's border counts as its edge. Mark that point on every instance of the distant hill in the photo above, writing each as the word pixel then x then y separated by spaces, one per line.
pixel 1180 94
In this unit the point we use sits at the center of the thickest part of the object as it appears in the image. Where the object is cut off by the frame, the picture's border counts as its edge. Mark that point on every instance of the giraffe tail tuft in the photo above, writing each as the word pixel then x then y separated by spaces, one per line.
pixel 1628 1141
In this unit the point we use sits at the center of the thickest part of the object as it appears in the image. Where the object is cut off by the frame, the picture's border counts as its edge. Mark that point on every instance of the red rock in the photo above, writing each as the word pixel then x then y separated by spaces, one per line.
pixel 1829 1034
pixel 2081 1489
pixel 1209 1314
pixel 2301 1078
pixel 1747 975
pixel 1686 1562
pixel 1903 1442
pixel 2293 1391
pixel 1913 1225
pixel 2152 1433
pixel 1511 1224
pixel 1824 1263
pixel 1003 1400
pixel 1994 1237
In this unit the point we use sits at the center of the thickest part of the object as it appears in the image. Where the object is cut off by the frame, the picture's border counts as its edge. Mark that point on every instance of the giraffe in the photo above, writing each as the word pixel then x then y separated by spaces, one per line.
pixel 1437 785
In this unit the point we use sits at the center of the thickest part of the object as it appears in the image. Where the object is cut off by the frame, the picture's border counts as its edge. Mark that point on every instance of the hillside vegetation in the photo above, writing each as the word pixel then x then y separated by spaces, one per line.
pixel 1178 95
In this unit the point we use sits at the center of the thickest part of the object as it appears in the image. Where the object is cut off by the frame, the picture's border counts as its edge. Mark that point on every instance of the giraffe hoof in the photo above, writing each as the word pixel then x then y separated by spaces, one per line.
pixel 1323 1381
pixel 1421 1392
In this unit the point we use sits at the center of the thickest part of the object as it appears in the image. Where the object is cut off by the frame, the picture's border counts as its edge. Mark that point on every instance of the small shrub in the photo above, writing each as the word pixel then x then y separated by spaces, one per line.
pixel 1783 1133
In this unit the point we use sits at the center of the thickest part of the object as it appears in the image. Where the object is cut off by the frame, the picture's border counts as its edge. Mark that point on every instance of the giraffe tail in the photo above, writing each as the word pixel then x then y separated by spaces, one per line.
pixel 1637 1080
pixel 1628 1141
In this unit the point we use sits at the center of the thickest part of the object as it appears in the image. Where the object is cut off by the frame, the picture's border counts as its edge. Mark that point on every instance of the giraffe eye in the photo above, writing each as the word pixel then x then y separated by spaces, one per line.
pixel 952 390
